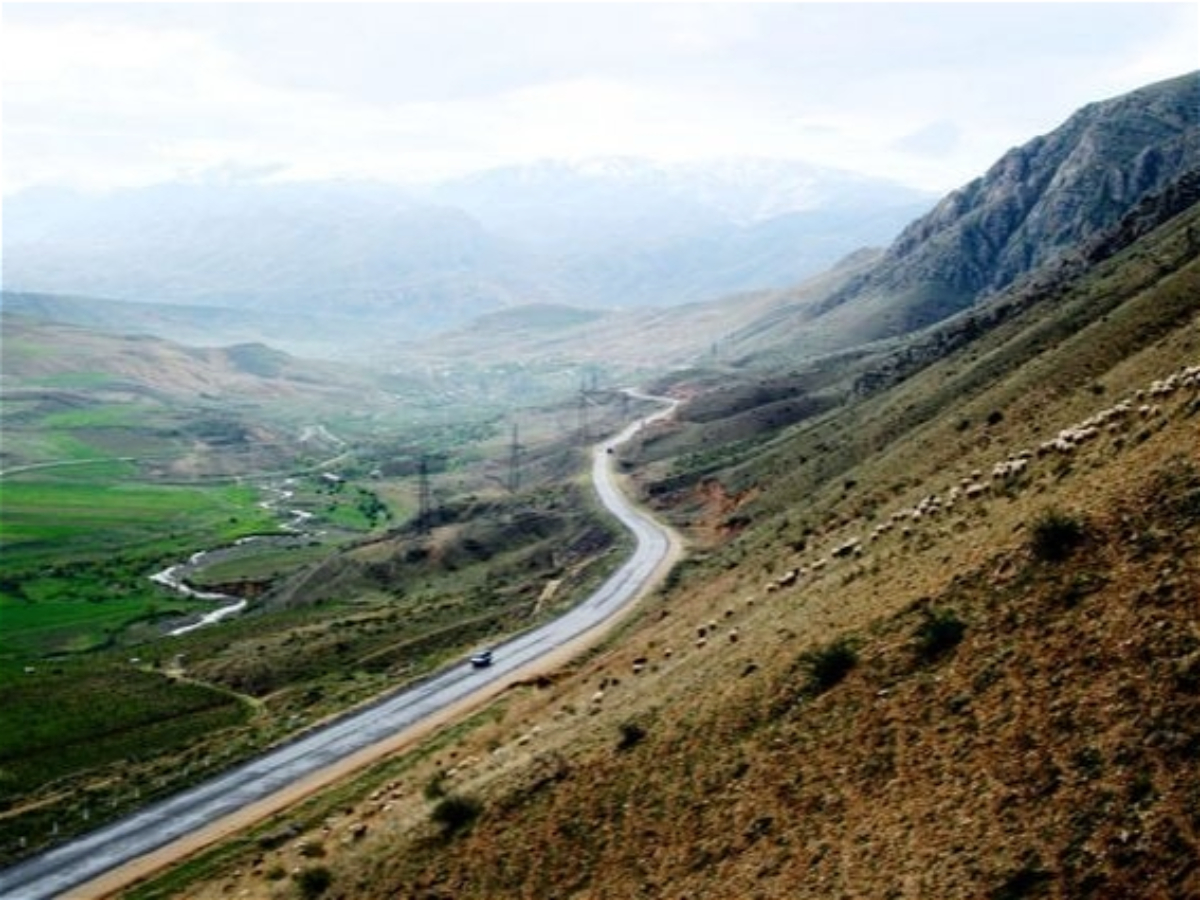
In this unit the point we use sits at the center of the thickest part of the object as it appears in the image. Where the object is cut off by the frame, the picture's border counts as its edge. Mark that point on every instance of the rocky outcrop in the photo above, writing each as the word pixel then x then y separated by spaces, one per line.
pixel 1054 194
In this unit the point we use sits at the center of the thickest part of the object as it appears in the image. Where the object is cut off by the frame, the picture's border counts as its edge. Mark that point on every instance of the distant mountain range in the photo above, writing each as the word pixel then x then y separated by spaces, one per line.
pixel 349 249
pixel 1114 170
pixel 606 233
pixel 298 264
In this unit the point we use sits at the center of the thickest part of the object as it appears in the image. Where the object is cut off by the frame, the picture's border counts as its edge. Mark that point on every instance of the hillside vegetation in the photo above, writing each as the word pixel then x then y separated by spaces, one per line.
pixel 935 641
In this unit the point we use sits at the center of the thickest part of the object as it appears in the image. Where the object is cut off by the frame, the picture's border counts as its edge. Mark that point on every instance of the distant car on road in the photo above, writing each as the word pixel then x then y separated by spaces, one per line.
pixel 482 659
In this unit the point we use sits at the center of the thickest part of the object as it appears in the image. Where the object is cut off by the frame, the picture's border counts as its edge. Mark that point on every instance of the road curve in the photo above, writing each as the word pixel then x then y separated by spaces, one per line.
pixel 92 865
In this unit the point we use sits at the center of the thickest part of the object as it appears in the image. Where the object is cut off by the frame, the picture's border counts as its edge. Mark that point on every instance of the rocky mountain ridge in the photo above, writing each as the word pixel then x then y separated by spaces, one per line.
pixel 1053 194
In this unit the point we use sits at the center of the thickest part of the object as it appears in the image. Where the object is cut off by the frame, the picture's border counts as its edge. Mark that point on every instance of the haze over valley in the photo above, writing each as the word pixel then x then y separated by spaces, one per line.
pixel 357 257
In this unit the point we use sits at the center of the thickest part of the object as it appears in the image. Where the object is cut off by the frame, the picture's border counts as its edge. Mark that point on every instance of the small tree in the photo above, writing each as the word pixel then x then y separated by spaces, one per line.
pixel 313 882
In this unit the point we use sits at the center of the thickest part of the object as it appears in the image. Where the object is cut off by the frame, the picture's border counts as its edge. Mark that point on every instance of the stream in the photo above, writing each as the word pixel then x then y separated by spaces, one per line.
pixel 175 577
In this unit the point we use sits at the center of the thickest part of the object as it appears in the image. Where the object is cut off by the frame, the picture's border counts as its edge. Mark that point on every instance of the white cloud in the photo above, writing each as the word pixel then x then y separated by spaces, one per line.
pixel 130 94
pixel 937 139
pixel 1168 52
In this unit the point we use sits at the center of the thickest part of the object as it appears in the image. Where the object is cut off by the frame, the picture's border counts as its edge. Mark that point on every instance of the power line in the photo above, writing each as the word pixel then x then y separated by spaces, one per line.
pixel 424 497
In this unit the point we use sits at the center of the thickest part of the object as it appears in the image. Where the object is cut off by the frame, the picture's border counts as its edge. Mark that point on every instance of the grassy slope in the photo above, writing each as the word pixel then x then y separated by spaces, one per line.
pixel 1053 752
pixel 78 553
pixel 70 717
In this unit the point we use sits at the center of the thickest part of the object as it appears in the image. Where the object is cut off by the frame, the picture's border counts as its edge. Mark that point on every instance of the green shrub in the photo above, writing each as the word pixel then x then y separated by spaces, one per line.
pixel 1031 880
pixel 1055 535
pixel 313 882
pixel 436 788
pixel 940 632
pixel 456 812
pixel 311 849
pixel 632 734
pixel 677 575
pixel 829 665
pixel 1177 487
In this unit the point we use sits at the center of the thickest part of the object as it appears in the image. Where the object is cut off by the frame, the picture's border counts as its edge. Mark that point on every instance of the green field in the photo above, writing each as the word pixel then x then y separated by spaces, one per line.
pixel 69 451
pixel 48 519
pixel 103 485
pixel 266 562
pixel 64 626
pixel 103 416
pixel 62 717
pixel 78 554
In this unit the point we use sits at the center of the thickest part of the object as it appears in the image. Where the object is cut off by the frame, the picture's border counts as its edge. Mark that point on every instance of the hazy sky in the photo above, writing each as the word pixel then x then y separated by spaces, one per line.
pixel 100 95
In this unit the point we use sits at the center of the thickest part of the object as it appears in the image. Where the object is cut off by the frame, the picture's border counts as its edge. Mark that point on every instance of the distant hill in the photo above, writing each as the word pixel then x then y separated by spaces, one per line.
pixel 425 260
pixel 315 336
pixel 233 409
pixel 40 355
pixel 644 340
pixel 362 250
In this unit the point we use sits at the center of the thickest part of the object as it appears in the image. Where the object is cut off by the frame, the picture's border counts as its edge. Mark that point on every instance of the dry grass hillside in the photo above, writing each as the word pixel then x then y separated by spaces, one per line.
pixel 942 642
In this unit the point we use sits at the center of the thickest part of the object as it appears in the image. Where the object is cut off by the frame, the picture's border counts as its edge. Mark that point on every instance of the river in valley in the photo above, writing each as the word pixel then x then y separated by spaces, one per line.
pixel 175 577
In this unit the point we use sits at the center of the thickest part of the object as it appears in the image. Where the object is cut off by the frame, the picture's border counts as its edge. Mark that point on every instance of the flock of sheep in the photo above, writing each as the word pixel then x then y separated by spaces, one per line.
pixel 1146 406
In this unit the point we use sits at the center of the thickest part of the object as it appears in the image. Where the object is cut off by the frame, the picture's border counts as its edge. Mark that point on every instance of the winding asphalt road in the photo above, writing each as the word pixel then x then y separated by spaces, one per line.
pixel 65 870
